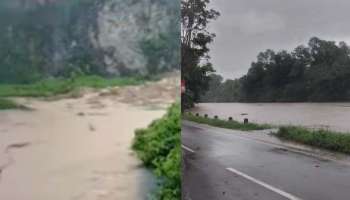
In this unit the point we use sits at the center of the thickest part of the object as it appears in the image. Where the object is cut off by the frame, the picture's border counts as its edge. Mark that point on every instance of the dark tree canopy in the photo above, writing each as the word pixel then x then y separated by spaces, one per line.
pixel 221 91
pixel 35 36
pixel 317 72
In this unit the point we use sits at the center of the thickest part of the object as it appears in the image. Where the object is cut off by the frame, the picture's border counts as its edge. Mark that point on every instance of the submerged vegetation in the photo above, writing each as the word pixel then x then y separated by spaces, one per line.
pixel 158 147
pixel 325 139
pixel 230 124
pixel 51 87
pixel 8 104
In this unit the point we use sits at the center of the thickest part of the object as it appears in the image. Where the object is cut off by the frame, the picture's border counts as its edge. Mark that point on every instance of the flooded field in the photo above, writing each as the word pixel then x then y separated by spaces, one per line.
pixel 334 116
pixel 72 149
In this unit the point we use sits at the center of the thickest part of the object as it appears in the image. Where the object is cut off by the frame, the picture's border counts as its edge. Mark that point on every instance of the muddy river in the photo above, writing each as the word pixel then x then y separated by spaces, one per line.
pixel 334 116
pixel 72 149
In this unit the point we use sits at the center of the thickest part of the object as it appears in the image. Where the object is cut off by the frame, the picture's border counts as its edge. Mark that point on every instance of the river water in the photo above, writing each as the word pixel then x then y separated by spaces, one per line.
pixel 333 116
pixel 79 148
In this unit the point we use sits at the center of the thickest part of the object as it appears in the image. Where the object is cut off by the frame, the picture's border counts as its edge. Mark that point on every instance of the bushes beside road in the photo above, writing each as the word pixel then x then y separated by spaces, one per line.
pixel 158 146
pixel 325 139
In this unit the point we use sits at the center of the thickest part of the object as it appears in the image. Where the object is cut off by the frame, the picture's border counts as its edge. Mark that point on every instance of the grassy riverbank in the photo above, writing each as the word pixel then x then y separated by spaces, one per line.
pixel 52 87
pixel 325 139
pixel 158 147
pixel 235 125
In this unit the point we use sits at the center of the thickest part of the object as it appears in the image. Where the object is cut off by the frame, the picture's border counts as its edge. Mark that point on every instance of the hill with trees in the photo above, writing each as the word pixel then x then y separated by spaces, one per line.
pixel 318 72
pixel 57 38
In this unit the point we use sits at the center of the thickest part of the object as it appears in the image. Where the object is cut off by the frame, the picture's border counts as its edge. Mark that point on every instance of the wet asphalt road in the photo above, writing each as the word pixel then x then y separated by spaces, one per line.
pixel 223 164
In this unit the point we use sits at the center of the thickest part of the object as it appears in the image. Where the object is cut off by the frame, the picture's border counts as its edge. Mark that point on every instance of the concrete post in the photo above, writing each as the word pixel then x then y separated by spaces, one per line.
pixel 246 121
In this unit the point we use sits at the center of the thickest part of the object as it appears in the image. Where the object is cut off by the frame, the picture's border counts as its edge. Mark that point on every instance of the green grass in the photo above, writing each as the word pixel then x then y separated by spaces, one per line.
pixel 158 146
pixel 8 104
pixel 235 125
pixel 52 87
pixel 325 139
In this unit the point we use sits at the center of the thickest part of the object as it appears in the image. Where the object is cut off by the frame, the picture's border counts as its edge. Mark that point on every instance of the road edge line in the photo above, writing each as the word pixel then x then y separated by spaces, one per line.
pixel 187 148
pixel 265 185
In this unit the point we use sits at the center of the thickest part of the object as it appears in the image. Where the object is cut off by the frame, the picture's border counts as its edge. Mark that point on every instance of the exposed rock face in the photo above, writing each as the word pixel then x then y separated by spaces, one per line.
pixel 106 37
pixel 123 24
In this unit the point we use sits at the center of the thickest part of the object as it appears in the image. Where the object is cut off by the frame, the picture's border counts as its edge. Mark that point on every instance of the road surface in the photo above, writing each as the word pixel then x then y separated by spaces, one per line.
pixel 225 164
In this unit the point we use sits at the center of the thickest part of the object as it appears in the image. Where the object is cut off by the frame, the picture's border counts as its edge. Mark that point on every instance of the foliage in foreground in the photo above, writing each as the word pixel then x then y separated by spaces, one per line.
pixel 51 87
pixel 235 125
pixel 158 147
pixel 326 139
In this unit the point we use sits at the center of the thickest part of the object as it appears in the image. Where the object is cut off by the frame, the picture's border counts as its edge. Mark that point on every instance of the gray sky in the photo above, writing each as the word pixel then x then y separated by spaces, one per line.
pixel 247 27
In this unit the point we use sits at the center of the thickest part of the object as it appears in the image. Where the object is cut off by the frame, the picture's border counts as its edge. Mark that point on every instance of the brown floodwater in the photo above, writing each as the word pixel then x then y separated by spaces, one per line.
pixel 79 149
pixel 334 116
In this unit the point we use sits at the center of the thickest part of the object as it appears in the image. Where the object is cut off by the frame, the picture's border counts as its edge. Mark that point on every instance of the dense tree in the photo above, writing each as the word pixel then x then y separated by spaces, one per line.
pixel 318 72
pixel 214 90
pixel 36 39
pixel 221 90
pixel 195 65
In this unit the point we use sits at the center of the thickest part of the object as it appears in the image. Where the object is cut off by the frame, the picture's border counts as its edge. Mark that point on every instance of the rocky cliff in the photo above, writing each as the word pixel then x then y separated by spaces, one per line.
pixel 43 38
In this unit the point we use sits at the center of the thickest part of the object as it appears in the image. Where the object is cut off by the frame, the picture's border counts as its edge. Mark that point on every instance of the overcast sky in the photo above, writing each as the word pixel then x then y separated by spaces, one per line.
pixel 247 27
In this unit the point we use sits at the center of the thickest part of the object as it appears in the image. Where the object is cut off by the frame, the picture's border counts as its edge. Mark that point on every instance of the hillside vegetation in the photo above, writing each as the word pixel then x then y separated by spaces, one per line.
pixel 57 46
pixel 58 38
pixel 51 87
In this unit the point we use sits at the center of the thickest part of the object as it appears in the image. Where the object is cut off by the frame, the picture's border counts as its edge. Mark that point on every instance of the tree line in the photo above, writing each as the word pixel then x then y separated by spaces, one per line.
pixel 316 72
pixel 195 65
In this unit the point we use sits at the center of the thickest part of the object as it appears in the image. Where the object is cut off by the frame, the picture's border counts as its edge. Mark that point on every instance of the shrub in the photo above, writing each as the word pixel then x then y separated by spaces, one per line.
pixel 319 138
pixel 158 147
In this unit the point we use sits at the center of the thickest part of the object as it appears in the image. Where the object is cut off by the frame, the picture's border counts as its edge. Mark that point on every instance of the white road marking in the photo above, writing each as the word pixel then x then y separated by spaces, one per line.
pixel 187 148
pixel 265 185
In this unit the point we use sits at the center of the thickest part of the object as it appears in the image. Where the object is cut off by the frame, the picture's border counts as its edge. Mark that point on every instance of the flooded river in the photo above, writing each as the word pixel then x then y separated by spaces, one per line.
pixel 334 116
pixel 79 149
